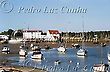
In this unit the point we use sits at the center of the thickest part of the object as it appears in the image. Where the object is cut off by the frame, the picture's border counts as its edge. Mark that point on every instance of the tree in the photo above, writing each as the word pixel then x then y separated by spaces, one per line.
pixel 19 33
pixel 10 31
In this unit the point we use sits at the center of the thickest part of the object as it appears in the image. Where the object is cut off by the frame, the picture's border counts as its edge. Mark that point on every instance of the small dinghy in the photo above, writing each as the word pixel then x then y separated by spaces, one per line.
pixel 6 49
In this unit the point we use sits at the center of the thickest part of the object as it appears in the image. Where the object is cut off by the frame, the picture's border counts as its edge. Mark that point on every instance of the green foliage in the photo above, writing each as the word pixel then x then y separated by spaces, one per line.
pixel 9 32
pixel 88 35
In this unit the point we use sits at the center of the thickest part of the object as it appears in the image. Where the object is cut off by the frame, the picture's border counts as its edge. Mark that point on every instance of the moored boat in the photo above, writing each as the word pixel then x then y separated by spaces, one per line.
pixel 6 49
pixel 36 55
pixel 61 49
pixel 108 55
pixel 101 68
pixel 82 52
pixel 76 45
pixel 35 48
pixel 36 52
pixel 103 44
pixel 22 52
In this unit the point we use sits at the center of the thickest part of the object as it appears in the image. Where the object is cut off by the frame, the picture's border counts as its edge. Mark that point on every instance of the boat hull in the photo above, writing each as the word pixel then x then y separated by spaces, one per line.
pixel 82 52
pixel 108 57
pixel 61 49
pixel 6 49
pixel 22 53
pixel 37 56
pixel 101 68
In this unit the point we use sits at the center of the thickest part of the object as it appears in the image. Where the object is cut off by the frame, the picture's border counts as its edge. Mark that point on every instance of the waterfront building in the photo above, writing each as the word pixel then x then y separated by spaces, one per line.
pixel 32 34
pixel 53 35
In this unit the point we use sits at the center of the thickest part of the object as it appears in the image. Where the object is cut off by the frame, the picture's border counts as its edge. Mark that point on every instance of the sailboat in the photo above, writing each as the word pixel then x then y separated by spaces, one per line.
pixel 61 49
pixel 101 67
pixel 82 51
pixel 22 51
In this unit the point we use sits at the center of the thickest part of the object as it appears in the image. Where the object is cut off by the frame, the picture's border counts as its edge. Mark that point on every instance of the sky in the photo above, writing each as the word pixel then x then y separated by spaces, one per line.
pixel 52 14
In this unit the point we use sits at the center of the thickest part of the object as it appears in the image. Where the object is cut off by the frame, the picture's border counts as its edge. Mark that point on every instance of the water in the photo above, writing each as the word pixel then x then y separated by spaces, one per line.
pixel 70 62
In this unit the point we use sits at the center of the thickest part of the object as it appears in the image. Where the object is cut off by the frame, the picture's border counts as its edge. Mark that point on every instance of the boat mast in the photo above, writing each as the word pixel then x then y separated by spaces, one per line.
pixel 83 32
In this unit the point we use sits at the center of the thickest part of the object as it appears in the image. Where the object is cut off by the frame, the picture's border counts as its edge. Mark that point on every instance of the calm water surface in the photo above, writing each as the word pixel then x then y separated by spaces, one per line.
pixel 70 62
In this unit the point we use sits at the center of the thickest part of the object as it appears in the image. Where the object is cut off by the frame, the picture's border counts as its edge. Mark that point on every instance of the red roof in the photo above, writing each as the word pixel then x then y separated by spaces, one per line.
pixel 32 31
pixel 53 31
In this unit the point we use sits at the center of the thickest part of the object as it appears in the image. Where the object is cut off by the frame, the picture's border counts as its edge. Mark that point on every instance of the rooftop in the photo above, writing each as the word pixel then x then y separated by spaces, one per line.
pixel 53 31
pixel 32 30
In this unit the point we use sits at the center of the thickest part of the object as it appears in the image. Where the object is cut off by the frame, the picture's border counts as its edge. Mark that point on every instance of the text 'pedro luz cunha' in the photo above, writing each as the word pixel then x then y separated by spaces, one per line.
pixel 63 9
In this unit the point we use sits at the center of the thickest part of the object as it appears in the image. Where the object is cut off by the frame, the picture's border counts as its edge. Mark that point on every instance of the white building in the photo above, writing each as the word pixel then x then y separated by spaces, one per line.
pixel 32 34
pixel 3 37
pixel 53 35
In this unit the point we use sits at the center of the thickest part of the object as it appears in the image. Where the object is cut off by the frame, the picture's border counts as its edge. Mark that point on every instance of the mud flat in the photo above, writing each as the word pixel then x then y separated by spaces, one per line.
pixel 20 69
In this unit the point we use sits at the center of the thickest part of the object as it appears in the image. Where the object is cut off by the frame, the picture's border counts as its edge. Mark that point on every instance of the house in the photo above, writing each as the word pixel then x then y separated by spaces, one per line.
pixel 53 35
pixel 32 34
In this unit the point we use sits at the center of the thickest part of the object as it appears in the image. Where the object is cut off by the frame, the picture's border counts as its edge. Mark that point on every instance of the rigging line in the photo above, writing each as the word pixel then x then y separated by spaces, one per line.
pixel 83 45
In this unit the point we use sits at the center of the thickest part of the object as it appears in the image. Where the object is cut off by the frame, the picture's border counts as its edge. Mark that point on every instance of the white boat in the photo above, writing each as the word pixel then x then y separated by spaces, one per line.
pixel 5 49
pixel 36 55
pixel 57 62
pixel 22 52
pixel 82 52
pixel 108 56
pixel 101 68
pixel 35 48
pixel 61 49
pixel 76 45
pixel 103 44
pixel 31 45
pixel 36 52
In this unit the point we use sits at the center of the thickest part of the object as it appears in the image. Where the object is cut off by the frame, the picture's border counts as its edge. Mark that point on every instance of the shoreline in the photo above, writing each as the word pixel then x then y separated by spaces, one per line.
pixel 9 67
pixel 14 68
pixel 56 44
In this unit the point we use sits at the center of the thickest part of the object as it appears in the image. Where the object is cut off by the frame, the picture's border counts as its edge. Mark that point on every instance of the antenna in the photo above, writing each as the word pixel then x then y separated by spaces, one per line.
pixel 28 26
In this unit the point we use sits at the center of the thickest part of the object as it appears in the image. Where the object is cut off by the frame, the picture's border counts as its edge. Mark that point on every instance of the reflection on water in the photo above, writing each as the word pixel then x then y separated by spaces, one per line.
pixel 81 57
pixel 61 53
pixel 21 59
pixel 69 61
